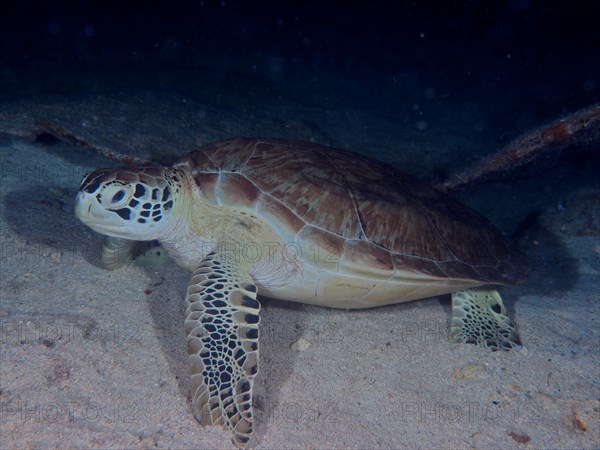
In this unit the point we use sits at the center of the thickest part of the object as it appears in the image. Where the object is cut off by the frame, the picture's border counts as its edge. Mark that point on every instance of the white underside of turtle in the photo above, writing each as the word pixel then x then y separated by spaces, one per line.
pixel 300 222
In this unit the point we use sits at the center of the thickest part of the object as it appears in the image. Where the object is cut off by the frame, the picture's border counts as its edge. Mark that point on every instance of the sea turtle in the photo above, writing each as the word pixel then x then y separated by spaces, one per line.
pixel 302 222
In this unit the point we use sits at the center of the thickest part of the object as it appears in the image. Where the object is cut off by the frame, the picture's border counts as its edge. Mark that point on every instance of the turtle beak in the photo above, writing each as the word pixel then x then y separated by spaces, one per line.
pixel 93 215
pixel 90 212
pixel 83 207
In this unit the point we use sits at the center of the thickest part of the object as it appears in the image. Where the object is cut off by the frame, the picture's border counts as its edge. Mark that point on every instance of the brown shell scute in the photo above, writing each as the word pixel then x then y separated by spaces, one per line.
pixel 305 181
pixel 404 224
pixel 236 190
pixel 370 257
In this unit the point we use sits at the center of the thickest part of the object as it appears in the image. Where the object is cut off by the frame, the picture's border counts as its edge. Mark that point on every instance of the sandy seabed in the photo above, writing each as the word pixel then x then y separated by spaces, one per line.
pixel 92 358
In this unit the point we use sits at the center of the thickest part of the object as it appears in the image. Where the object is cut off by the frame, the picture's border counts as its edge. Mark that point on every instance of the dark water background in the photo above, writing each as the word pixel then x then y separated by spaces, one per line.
pixel 550 46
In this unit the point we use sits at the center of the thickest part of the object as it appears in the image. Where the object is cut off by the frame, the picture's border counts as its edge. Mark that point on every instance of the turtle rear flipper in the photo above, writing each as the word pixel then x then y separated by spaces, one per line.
pixel 479 317
pixel 222 327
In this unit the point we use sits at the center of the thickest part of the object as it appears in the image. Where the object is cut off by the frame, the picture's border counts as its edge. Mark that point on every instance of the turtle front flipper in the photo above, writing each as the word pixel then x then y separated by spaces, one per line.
pixel 479 317
pixel 115 252
pixel 222 327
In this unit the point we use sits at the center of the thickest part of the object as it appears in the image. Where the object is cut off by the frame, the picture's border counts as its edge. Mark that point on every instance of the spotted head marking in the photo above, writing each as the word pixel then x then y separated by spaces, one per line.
pixel 129 202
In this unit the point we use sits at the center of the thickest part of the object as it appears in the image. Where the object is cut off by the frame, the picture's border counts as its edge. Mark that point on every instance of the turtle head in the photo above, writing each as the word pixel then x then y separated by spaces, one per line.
pixel 137 203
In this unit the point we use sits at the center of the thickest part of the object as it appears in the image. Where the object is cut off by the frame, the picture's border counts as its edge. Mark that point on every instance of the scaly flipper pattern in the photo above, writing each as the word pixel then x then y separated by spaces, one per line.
pixel 222 326
pixel 479 317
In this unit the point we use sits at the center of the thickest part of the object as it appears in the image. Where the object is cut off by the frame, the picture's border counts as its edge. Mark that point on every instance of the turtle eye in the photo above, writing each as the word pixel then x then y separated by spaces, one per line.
pixel 116 196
